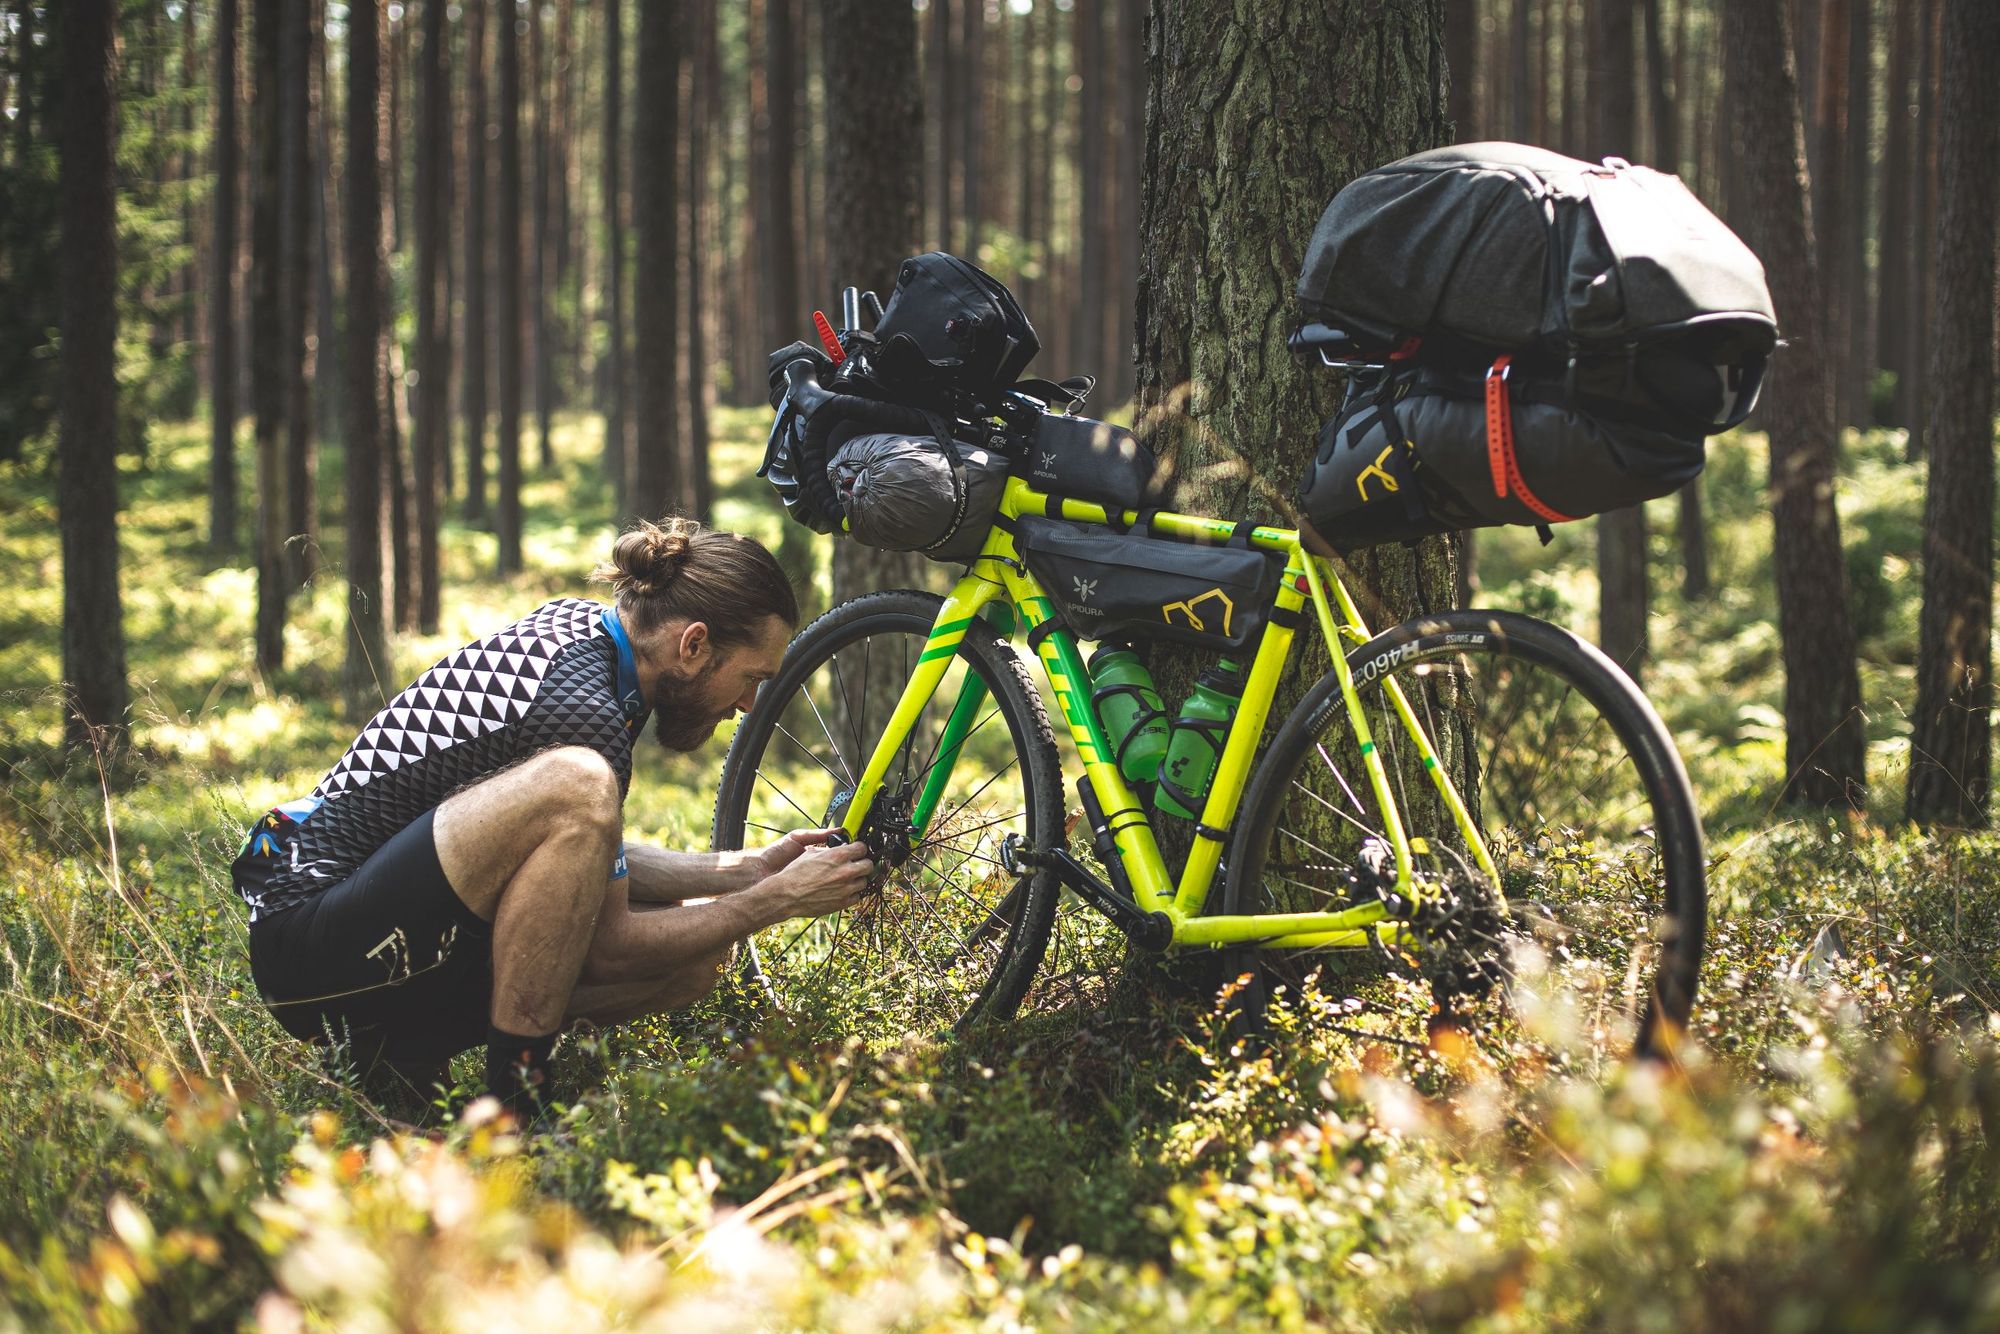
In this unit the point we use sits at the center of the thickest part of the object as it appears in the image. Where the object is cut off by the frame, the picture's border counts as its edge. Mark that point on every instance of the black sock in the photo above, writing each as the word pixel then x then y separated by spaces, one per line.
pixel 517 1070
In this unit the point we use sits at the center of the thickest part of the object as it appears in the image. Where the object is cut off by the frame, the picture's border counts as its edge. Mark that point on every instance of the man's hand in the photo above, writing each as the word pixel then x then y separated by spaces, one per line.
pixel 775 858
pixel 818 879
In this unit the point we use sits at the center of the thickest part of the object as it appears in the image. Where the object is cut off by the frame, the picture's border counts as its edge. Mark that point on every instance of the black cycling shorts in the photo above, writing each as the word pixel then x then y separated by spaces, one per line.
pixel 389 959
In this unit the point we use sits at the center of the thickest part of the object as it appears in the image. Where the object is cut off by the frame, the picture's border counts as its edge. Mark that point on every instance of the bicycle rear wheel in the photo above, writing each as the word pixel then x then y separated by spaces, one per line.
pixel 951 938
pixel 1585 810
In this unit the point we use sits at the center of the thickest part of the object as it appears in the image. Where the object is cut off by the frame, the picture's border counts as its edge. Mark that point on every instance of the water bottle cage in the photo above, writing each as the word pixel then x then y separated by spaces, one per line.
pixel 1215 731
pixel 1144 718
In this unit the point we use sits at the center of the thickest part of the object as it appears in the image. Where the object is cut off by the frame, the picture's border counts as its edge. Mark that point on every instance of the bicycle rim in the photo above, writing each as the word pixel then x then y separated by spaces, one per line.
pixel 1585 811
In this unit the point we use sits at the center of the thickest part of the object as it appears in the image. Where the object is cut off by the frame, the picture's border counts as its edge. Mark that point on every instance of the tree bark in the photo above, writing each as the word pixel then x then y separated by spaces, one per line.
pixel 300 181
pixel 1131 41
pixel 1087 315
pixel 1623 594
pixel 617 435
pixel 1520 71
pixel 1923 217
pixel 657 486
pixel 1858 135
pixel 1951 744
pixel 1831 206
pixel 874 199
pixel 1892 310
pixel 1824 742
pixel 1246 141
pixel 267 330
pixel 942 81
pixel 93 633
pixel 541 90
pixel 971 81
pixel 222 483
pixel 507 286
pixel 784 312
pixel 478 262
pixel 329 365
pixel 700 89
pixel 1461 54
pixel 433 205
pixel 367 363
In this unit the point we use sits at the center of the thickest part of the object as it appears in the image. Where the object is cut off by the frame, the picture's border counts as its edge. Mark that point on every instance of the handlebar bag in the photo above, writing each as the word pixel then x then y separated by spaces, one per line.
pixel 1091 460
pixel 949 326
pixel 904 493
pixel 1109 585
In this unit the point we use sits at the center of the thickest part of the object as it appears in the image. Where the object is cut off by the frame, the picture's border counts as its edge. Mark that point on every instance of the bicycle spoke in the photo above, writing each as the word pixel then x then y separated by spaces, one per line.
pixel 809 754
pixel 787 797
pixel 806 690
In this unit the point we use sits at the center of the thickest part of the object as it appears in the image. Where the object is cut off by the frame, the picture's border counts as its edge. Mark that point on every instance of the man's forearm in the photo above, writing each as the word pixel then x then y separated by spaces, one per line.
pixel 636 946
pixel 659 876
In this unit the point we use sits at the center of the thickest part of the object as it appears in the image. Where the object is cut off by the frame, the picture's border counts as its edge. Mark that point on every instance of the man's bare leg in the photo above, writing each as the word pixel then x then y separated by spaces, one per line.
pixel 529 850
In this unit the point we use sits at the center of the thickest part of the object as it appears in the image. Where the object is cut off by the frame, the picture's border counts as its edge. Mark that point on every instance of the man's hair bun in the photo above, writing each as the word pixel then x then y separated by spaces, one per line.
pixel 648 557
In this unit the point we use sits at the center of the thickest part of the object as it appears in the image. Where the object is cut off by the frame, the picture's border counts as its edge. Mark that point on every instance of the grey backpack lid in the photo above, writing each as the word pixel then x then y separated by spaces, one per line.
pixel 1513 246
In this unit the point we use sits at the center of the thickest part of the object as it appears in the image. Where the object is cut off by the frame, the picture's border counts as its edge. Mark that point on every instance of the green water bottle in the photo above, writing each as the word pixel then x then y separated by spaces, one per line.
pixel 1135 722
pixel 1195 745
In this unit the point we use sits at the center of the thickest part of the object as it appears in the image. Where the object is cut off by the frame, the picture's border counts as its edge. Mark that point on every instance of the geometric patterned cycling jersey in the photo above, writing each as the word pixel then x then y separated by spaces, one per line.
pixel 561 676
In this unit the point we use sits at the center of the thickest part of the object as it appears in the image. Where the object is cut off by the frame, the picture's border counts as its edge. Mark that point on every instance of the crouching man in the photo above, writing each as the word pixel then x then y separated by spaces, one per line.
pixel 459 876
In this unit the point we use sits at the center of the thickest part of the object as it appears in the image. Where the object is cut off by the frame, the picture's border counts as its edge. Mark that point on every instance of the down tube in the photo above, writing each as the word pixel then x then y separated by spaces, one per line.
pixel 961 606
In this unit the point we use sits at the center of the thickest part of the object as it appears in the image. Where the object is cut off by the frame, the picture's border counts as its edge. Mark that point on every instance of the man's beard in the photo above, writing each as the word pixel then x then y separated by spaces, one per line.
pixel 684 718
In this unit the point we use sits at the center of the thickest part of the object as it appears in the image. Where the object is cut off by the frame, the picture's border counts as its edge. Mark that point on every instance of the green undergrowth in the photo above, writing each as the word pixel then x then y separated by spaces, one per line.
pixel 1822 1156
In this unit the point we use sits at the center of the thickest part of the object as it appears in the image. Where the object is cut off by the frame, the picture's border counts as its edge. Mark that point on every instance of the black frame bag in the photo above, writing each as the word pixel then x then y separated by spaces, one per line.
pixel 1086 459
pixel 1128 586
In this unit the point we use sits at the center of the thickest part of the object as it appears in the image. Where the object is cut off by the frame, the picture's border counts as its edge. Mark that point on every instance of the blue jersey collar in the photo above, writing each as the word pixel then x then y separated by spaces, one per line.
pixel 629 697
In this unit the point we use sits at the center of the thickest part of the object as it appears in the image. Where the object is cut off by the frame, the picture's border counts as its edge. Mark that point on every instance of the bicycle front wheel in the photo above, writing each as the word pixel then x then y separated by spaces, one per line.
pixel 1577 794
pixel 951 937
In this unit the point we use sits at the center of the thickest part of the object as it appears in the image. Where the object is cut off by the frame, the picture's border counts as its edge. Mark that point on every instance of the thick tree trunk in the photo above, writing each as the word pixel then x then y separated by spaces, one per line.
pixel 267 330
pixel 1246 141
pixel 93 633
pixel 1131 43
pixel 222 484
pixel 507 286
pixel 1951 744
pixel 1824 742
pixel 657 486
pixel 367 359
pixel 433 206
pixel 785 316
pixel 300 181
pixel 617 435
pixel 874 199
pixel 478 262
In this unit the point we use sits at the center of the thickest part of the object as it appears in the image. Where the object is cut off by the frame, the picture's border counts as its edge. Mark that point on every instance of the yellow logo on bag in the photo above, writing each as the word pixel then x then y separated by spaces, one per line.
pixel 1376 469
pixel 1194 620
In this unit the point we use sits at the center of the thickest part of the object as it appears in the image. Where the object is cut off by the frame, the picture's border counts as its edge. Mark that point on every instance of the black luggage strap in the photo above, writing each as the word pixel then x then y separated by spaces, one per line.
pixel 961 493
pixel 1036 634
pixel 1286 617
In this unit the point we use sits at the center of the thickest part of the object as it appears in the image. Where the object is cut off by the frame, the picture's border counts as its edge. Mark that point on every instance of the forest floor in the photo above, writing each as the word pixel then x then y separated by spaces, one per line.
pixel 1828 1158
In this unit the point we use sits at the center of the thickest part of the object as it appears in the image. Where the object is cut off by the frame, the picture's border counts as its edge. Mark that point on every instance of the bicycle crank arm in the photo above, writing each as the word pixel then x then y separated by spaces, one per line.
pixel 1152 931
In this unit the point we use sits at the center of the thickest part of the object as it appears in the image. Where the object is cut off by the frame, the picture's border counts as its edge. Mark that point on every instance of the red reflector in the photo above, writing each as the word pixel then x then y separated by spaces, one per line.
pixel 1301 583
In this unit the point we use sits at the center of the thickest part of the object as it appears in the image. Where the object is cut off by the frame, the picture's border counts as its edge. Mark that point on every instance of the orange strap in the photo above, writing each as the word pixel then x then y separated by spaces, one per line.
pixel 1501 460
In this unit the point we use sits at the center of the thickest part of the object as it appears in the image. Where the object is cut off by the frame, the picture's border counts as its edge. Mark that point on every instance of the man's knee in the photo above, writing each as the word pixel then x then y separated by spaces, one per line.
pixel 581 787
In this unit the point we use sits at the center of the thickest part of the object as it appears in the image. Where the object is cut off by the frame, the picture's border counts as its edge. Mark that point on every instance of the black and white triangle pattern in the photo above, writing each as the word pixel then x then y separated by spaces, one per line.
pixel 473 691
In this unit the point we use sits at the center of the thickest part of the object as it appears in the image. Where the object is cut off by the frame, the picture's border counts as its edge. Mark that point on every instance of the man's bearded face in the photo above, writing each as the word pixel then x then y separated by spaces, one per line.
pixel 687 710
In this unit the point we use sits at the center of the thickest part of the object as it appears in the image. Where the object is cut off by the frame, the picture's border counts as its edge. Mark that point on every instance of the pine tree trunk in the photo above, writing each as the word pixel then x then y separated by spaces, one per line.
pixel 222 483
pixel 1831 205
pixel 1239 168
pixel 478 260
pixel 1520 71
pixel 874 198
pixel 93 633
pixel 1892 309
pixel 943 81
pixel 1087 315
pixel 540 83
pixel 300 179
pixel 617 437
pixel 433 206
pixel 1461 54
pixel 367 666
pixel 267 329
pixel 1824 742
pixel 657 486
pixel 971 82
pixel 1858 134
pixel 330 364
pixel 1623 593
pixel 507 286
pixel 1923 217
pixel 1131 43
pixel 700 90
pixel 1951 744
pixel 785 317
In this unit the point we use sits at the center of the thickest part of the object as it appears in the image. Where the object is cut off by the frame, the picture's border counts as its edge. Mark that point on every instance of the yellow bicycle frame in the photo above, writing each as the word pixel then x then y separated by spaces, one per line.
pixel 999 574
